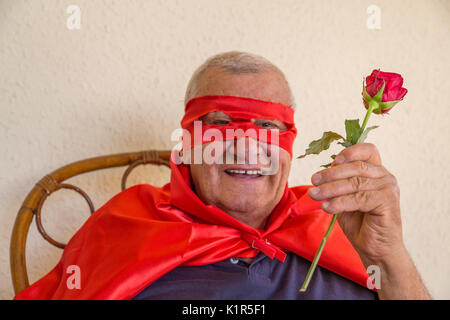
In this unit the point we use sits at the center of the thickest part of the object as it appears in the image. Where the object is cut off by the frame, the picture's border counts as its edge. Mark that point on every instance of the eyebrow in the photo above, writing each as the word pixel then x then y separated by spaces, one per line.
pixel 223 114
pixel 216 113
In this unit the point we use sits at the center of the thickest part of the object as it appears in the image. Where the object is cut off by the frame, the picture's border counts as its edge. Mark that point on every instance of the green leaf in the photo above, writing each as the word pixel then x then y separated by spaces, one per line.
pixel 333 156
pixel 317 146
pixel 364 134
pixel 353 130
pixel 346 143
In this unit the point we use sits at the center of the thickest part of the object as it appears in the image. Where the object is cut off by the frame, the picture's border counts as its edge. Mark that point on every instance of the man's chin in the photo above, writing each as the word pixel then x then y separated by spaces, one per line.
pixel 247 192
pixel 245 207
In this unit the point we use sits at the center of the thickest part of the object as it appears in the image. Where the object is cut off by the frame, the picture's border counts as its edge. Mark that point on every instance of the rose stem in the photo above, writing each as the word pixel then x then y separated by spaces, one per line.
pixel 312 268
pixel 372 105
pixel 317 256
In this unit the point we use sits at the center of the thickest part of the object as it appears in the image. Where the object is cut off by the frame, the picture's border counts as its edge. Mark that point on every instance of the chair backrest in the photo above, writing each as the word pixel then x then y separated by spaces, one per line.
pixel 53 182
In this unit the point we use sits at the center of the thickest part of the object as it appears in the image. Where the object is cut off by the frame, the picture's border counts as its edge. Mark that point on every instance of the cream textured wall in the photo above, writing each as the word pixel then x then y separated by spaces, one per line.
pixel 117 84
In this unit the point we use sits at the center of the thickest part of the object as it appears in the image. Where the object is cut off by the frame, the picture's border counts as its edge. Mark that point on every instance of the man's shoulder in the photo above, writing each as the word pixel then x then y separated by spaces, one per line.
pixel 141 197
pixel 145 190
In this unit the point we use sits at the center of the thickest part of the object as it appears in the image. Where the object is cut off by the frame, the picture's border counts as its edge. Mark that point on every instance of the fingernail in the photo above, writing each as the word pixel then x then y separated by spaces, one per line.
pixel 314 191
pixel 316 178
pixel 339 159
pixel 325 204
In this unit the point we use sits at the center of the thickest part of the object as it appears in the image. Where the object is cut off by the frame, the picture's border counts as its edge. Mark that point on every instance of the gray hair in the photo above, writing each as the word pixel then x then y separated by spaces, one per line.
pixel 235 62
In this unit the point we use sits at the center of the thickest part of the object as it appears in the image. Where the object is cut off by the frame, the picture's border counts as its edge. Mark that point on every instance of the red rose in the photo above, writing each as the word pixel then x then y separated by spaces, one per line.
pixel 381 92
pixel 392 90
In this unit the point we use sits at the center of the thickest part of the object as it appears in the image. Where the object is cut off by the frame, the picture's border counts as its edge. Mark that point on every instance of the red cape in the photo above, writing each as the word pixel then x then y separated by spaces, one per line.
pixel 144 232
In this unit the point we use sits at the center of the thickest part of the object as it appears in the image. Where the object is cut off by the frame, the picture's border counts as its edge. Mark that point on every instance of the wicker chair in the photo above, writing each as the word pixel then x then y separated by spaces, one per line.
pixel 53 182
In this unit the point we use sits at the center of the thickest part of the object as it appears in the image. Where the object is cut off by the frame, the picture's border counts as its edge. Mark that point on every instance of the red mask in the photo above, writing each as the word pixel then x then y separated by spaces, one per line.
pixel 242 111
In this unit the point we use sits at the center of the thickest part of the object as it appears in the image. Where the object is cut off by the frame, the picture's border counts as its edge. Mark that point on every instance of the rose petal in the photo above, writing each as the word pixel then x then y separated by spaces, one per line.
pixel 403 92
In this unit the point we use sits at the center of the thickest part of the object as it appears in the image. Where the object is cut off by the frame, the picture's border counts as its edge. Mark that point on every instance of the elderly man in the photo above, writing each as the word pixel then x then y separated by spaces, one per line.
pixel 226 229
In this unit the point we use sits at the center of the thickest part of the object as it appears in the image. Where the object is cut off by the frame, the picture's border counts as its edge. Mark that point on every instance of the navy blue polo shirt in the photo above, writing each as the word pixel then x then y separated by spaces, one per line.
pixel 263 279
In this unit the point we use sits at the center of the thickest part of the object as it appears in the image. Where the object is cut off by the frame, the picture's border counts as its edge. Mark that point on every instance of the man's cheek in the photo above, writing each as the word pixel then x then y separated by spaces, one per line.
pixel 213 153
pixel 271 158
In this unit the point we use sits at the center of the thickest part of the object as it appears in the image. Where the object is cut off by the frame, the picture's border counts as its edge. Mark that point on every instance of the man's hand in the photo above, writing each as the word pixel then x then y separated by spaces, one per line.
pixel 369 196
pixel 366 197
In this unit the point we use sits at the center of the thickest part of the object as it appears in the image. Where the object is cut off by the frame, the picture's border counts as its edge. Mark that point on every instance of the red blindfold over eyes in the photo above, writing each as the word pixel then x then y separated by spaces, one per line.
pixel 242 111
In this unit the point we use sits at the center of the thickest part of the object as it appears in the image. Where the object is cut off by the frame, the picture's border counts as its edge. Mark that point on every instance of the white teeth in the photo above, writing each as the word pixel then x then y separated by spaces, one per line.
pixel 249 172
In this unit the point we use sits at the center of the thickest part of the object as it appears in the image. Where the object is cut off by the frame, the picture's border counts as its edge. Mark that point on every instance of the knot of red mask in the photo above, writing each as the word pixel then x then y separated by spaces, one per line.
pixel 242 112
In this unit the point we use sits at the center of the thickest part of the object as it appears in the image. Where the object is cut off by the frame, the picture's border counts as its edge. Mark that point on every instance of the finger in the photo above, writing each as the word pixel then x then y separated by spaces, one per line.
pixel 360 151
pixel 363 201
pixel 348 186
pixel 347 170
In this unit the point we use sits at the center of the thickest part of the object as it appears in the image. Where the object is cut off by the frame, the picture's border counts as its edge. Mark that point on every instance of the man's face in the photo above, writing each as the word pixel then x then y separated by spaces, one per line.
pixel 249 198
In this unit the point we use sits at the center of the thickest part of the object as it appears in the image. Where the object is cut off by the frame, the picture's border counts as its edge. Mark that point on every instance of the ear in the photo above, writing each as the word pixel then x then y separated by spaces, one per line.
pixel 180 155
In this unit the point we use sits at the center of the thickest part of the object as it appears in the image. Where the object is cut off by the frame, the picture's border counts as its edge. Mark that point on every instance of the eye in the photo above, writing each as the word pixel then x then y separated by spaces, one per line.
pixel 266 125
pixel 219 122
pixel 270 124
pixel 217 118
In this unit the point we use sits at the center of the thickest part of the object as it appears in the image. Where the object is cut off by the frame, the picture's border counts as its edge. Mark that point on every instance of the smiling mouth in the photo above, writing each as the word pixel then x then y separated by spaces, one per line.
pixel 244 173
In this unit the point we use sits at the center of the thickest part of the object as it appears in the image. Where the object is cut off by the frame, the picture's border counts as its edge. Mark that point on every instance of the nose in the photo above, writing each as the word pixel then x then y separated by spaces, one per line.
pixel 247 150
